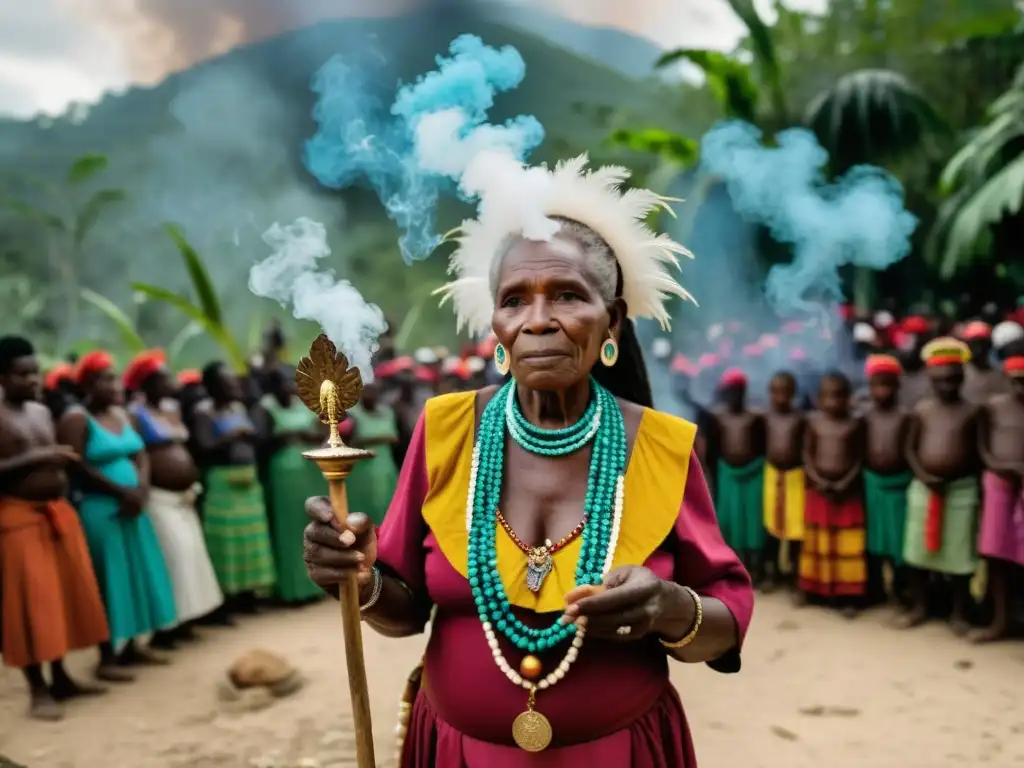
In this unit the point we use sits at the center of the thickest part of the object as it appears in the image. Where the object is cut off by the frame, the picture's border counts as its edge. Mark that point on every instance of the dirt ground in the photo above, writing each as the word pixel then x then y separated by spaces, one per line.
pixel 816 690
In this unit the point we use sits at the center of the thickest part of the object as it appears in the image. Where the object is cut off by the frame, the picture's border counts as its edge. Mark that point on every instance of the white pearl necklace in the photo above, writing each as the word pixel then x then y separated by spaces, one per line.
pixel 581 629
pixel 551 678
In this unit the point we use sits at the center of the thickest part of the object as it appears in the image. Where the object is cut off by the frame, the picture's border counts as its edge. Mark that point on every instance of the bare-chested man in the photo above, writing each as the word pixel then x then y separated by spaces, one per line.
pixel 886 474
pixel 783 480
pixel 982 381
pixel 51 602
pixel 943 498
pixel 1001 541
pixel 832 563
pixel 736 446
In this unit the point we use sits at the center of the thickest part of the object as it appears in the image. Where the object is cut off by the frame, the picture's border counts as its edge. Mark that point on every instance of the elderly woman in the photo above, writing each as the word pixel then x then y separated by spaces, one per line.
pixel 560 528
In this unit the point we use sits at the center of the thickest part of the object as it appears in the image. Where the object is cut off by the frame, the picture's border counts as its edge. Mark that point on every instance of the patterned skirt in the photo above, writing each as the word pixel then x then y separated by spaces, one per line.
pixel 235 524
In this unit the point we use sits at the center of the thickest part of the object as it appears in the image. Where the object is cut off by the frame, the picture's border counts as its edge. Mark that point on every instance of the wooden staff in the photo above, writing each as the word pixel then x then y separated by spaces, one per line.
pixel 329 387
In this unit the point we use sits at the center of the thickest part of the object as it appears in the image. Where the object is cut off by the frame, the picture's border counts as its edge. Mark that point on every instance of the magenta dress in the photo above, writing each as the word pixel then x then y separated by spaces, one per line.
pixel 616 707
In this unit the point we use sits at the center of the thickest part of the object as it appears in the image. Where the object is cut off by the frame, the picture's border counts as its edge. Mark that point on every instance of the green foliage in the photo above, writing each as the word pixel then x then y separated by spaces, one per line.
pixel 91 211
pixel 209 303
pixel 207 314
pixel 87 166
pixel 870 116
pixel 670 146
pixel 730 80
pixel 131 341
pixel 983 183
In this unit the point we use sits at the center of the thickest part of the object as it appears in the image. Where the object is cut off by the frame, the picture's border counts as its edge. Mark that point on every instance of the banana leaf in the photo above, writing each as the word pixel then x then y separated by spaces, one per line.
pixel 762 43
pixel 218 332
pixel 86 167
pixel 659 142
pixel 966 219
pixel 730 80
pixel 92 209
pixel 206 293
pixel 130 339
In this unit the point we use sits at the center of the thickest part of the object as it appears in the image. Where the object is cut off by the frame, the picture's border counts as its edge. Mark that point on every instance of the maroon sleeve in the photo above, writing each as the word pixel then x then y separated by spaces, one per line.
pixel 706 564
pixel 400 537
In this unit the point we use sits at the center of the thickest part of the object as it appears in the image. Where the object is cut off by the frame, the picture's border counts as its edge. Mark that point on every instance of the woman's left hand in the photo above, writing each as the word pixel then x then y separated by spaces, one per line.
pixel 633 597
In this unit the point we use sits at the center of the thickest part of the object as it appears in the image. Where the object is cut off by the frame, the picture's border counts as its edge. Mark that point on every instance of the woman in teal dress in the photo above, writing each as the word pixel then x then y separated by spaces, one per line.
pixel 287 428
pixel 373 481
pixel 114 482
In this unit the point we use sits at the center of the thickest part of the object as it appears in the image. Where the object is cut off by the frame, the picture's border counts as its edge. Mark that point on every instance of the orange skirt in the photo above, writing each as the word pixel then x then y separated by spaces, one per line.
pixel 50 599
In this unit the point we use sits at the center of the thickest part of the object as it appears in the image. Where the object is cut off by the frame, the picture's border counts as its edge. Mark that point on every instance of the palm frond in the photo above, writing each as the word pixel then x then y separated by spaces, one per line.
pixel 870 115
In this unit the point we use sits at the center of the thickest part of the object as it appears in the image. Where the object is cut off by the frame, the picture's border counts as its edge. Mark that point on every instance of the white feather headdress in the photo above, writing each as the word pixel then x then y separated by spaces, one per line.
pixel 593 198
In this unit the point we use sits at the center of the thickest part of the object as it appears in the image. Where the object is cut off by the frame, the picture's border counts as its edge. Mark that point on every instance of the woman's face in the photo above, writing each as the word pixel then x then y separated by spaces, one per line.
pixel 549 314
pixel 106 388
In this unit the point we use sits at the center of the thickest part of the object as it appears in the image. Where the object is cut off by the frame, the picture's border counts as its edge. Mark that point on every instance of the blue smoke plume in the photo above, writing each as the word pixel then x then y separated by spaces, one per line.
pixel 419 148
pixel 857 220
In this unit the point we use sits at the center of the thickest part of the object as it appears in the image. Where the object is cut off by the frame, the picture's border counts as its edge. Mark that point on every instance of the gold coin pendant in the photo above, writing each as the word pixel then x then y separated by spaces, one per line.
pixel 531 731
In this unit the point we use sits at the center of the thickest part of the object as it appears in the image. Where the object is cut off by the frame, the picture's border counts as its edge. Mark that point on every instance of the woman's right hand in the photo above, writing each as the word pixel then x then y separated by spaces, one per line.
pixel 331 552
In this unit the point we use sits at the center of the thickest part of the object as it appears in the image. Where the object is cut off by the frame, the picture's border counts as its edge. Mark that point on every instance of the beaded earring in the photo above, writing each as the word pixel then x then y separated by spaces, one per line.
pixel 501 361
pixel 610 352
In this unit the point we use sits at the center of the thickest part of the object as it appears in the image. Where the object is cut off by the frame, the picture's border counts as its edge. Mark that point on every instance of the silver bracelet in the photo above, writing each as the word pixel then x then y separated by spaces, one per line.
pixel 378 586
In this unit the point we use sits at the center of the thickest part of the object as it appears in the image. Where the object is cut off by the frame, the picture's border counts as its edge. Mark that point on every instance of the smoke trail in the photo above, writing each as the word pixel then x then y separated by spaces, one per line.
pixel 859 219
pixel 292 277
pixel 436 138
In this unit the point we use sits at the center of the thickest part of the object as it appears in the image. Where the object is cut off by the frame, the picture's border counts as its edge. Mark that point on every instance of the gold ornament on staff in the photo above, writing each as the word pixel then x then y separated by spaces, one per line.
pixel 329 387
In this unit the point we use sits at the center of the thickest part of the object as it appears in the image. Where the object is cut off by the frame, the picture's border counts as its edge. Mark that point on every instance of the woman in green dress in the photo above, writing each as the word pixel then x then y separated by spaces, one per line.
pixel 287 428
pixel 373 481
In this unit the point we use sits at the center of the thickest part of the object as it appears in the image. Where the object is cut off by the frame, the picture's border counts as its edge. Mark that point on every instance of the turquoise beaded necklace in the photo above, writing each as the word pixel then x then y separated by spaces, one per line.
pixel 601 424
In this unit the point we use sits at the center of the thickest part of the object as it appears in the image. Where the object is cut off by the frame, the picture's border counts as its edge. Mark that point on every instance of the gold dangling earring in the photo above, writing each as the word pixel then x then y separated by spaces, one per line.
pixel 501 359
pixel 610 352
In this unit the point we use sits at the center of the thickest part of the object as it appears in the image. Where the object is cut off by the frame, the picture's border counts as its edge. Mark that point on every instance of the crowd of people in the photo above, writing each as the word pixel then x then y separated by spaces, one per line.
pixel 142 503
pixel 136 505
pixel 892 477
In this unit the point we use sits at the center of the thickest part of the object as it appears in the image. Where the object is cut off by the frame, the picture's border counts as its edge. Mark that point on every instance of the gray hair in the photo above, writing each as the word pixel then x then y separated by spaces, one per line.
pixel 601 264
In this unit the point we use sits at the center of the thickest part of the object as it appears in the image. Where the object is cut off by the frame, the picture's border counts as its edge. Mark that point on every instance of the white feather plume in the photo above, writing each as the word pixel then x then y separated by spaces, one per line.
pixel 591 197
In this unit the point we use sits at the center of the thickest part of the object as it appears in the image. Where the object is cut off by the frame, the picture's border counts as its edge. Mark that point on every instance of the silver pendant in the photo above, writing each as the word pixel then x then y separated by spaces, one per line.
pixel 538 566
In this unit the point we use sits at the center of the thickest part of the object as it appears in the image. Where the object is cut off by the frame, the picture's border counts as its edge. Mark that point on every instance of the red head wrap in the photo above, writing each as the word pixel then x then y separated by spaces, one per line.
pixel 92 363
pixel 486 347
pixel 977 329
pixel 847 311
pixel 190 376
pixel 768 341
pixel 393 367
pixel 426 373
pixel 797 354
pixel 1014 366
pixel 733 377
pixel 915 324
pixel 682 364
pixel 878 364
pixel 142 366
pixel 59 373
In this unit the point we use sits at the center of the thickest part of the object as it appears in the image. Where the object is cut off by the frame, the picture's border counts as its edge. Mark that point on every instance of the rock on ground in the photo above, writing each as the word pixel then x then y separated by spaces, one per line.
pixel 816 690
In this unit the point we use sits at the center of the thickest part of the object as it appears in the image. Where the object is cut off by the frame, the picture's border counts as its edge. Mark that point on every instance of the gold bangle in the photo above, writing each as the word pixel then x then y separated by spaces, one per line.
pixel 698 617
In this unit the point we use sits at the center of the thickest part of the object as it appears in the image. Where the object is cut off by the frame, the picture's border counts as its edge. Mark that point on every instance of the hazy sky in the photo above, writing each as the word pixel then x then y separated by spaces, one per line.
pixel 53 52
